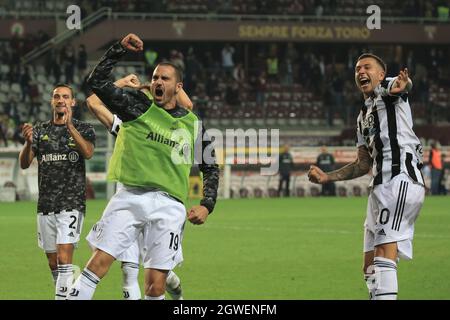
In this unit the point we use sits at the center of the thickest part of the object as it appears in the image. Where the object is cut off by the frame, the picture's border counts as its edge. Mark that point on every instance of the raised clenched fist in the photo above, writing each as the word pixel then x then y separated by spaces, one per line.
pixel 132 42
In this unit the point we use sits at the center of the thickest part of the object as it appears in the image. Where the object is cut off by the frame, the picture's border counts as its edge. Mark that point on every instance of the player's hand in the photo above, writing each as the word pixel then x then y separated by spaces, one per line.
pixel 132 42
pixel 198 214
pixel 316 175
pixel 401 82
pixel 68 116
pixel 130 81
pixel 27 132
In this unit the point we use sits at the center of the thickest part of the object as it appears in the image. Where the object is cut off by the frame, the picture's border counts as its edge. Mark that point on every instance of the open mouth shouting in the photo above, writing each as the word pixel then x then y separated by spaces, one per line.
pixel 159 92
pixel 364 82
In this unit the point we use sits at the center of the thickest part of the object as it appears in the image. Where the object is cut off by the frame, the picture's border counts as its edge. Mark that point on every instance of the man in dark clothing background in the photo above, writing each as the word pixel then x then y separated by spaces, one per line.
pixel 286 165
pixel 325 161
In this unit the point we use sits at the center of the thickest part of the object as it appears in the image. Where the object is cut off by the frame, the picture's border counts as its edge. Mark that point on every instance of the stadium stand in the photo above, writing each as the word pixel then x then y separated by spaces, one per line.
pixel 414 8
pixel 310 89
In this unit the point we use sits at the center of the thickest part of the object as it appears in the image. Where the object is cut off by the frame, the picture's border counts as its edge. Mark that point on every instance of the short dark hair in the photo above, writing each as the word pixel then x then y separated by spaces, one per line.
pixel 377 59
pixel 178 71
pixel 64 85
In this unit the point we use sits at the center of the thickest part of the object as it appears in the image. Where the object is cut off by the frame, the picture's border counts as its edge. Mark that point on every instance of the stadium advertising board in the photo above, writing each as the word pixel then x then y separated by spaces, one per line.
pixel 279 31
pixel 239 31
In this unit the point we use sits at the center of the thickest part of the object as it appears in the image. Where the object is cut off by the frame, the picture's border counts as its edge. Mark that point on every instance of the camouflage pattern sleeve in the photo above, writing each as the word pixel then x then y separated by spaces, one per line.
pixel 208 166
pixel 87 131
pixel 128 105
pixel 34 144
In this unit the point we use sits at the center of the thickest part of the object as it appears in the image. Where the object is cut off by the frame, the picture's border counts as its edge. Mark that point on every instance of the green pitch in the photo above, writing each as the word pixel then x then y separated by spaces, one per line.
pixel 251 249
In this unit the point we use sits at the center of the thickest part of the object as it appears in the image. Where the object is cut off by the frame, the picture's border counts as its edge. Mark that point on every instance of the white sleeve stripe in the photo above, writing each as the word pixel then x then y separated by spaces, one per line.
pixel 116 125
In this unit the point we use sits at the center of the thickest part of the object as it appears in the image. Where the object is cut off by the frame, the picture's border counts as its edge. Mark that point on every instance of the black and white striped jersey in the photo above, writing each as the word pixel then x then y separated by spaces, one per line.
pixel 385 127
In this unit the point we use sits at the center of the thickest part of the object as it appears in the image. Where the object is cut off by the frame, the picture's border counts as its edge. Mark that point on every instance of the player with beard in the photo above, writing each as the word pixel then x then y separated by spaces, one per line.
pixel 133 255
pixel 152 158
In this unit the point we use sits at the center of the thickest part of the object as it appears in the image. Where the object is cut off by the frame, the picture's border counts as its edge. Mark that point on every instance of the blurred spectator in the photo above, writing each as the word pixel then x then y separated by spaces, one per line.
pixel 194 70
pixel 286 166
pixel 212 85
pixel 423 89
pixel 435 163
pixel 177 58
pixel 226 6
pixel 227 59
pixel 351 99
pixel 25 82
pixel 337 89
pixel 201 105
pixel 52 64
pixel 4 129
pixel 272 65
pixel 34 100
pixel 69 61
pixel 11 109
pixel 82 60
pixel 287 72
pixel 260 88
pixel 325 162
pixel 319 10
pixel 296 7
pixel 232 95
pixel 443 10
pixel 210 63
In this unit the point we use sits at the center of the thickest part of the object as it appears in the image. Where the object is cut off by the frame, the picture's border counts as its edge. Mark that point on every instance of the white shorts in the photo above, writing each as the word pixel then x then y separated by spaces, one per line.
pixel 133 211
pixel 60 228
pixel 392 209
pixel 133 254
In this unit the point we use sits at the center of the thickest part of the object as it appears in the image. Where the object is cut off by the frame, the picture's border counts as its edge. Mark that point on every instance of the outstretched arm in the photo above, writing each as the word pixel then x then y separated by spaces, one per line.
pixel 358 168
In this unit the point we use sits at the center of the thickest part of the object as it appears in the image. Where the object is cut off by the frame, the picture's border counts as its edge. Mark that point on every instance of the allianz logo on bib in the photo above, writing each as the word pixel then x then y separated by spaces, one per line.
pixel 73 156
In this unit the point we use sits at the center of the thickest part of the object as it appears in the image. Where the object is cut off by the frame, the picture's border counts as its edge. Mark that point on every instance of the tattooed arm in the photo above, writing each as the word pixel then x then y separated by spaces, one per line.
pixel 358 168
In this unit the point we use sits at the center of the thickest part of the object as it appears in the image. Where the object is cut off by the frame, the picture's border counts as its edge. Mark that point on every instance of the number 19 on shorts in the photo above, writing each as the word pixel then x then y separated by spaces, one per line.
pixel 174 240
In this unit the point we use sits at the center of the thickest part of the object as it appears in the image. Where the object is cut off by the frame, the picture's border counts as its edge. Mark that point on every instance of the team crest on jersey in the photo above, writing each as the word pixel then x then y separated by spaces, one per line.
pixel 369 121
pixel 73 156
pixel 44 137
pixel 369 128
